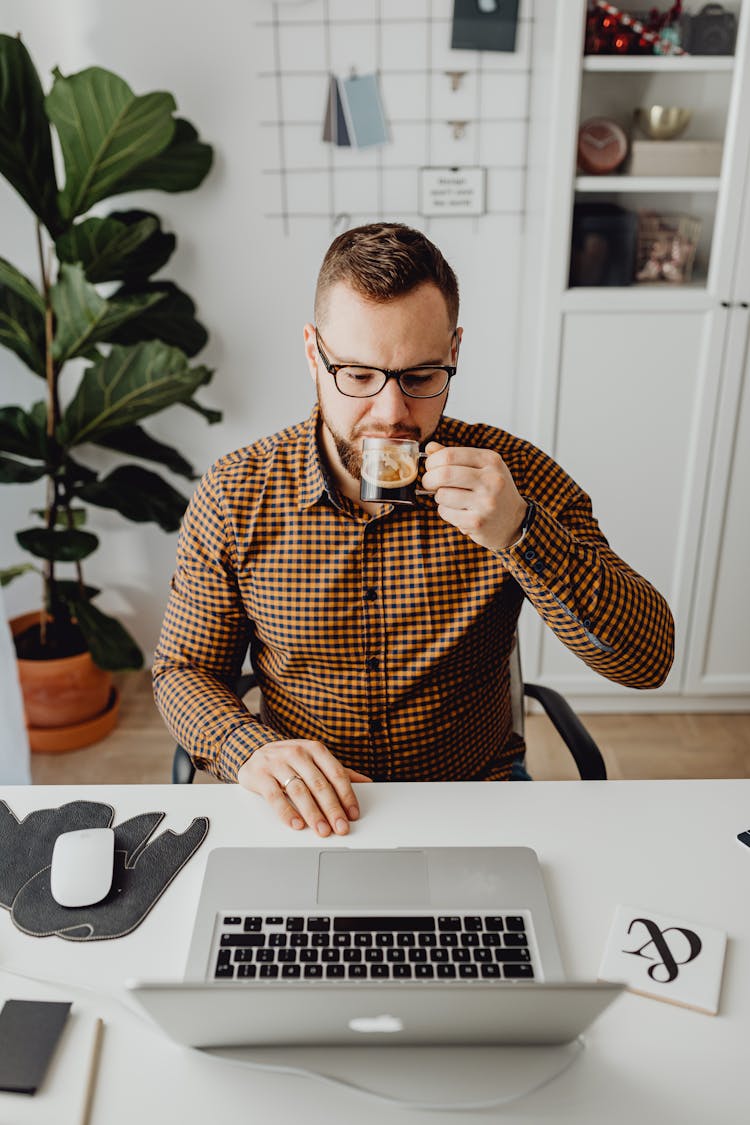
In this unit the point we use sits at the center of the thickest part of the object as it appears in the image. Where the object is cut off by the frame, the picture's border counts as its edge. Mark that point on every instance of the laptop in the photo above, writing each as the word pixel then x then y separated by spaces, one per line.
pixel 340 947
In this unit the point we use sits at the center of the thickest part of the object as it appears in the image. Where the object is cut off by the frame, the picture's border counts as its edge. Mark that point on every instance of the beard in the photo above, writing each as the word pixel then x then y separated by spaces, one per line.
pixel 349 446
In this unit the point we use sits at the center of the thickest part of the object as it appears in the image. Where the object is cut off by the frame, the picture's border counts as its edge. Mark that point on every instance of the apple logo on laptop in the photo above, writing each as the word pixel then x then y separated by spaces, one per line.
pixel 380 1024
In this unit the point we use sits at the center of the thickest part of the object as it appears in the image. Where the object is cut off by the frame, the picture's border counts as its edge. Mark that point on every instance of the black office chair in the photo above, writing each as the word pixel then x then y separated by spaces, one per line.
pixel 585 752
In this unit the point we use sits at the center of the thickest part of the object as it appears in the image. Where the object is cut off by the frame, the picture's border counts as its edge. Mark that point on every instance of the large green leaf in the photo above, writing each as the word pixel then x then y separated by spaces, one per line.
pixel 60 546
pixel 182 166
pixel 10 572
pixel 25 142
pixel 18 472
pixel 172 320
pixel 20 284
pixel 22 328
pixel 105 132
pixel 83 318
pixel 134 441
pixel 104 247
pixel 22 432
pixel 138 495
pixel 211 416
pixel 110 645
pixel 127 385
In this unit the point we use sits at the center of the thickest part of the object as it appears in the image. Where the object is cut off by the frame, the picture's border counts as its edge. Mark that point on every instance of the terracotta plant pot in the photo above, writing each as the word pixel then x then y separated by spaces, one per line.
pixel 69 703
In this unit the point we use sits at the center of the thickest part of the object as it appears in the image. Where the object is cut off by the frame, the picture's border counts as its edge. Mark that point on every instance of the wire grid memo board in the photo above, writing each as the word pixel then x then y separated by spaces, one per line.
pixel 444 108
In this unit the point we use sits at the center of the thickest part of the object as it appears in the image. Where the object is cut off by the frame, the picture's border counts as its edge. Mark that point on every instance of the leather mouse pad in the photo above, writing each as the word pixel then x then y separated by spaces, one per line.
pixel 144 866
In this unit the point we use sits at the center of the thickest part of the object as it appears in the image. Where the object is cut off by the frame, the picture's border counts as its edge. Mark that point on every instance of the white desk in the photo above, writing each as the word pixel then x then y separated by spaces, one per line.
pixel 664 846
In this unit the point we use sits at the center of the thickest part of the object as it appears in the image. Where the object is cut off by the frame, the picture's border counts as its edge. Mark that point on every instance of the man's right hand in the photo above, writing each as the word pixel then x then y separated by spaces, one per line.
pixel 305 785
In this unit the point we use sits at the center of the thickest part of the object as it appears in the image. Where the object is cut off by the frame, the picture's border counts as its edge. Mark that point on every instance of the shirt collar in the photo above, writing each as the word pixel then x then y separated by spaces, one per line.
pixel 314 479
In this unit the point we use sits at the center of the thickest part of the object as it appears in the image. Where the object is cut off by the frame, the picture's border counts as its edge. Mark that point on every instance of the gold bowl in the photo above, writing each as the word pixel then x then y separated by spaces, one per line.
pixel 662 122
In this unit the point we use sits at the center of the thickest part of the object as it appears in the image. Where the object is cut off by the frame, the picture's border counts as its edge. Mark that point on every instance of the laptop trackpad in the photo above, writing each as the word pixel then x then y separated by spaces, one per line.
pixel 372 878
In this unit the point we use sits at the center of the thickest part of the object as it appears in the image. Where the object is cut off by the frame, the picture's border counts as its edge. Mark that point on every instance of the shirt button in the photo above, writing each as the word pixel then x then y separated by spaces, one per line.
pixel 373 663
pixel 538 567
pixel 370 594
pixel 530 554
pixel 587 622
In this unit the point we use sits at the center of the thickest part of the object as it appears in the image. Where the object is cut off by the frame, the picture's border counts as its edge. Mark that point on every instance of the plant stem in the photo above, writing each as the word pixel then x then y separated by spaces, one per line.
pixel 52 417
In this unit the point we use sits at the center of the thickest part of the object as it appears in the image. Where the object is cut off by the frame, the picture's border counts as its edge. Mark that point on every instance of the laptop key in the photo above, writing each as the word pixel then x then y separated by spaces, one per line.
pixel 330 955
pixel 380 972
pixel 232 920
pixel 308 956
pixel 449 940
pixel 357 972
pixel 446 972
pixel 449 923
pixel 471 922
pixel 490 972
pixel 299 941
pixel 274 920
pixel 516 939
pixel 290 972
pixel 384 940
pixel 252 924
pixel 286 956
pixel 439 956
pixel 424 972
pixel 264 956
pixel 460 956
pixel 417 956
pixel 374 956
pixel 224 971
pixel 295 924
pixel 469 939
pixel 401 972
pixel 518 972
pixel 277 941
pixel 269 972
pixel 514 955
pixel 395 956
pixel 363 940
pixel 482 956
pixel 313 972
pixel 248 971
pixel 320 941
pixel 352 955
pixel 468 972
pixel 225 956
pixel 317 925
pixel 491 939
pixel 242 941
pixel 416 923
pixel 341 940
pixel 406 940
pixel 515 922
pixel 493 922
pixel 333 972
pixel 427 941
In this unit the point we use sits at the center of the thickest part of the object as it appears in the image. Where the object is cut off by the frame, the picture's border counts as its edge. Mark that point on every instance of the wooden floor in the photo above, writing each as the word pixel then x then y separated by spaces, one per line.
pixel 634 746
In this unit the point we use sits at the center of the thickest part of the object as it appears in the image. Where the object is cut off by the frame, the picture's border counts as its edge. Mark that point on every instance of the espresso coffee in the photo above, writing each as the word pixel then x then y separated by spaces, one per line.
pixel 389 470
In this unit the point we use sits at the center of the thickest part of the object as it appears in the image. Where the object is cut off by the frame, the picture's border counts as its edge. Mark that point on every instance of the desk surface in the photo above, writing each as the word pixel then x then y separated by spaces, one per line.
pixel 666 846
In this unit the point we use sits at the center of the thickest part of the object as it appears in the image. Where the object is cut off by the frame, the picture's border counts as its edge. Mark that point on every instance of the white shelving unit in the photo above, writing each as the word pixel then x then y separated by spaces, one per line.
pixel 642 392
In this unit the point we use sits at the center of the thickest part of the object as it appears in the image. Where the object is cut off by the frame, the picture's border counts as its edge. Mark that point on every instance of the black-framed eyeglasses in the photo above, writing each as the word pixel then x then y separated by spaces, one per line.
pixel 355 380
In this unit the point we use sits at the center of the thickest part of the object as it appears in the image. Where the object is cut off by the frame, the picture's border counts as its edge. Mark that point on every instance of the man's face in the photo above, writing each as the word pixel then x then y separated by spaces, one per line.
pixel 403 332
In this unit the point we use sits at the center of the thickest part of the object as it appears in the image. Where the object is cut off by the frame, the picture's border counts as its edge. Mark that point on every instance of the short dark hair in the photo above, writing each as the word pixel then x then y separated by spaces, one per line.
pixel 385 260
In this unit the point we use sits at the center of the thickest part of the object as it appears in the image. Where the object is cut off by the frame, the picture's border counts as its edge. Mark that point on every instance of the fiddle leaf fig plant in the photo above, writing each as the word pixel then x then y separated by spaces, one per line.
pixel 98 315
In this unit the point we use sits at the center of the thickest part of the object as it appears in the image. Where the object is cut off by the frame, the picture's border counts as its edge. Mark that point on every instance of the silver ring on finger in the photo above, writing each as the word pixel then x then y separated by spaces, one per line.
pixel 289 780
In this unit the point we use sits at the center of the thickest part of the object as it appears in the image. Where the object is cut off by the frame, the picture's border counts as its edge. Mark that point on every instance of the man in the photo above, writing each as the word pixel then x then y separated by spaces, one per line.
pixel 381 634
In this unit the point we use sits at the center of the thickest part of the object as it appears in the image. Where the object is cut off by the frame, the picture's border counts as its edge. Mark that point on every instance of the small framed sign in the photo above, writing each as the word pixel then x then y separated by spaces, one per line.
pixel 452 191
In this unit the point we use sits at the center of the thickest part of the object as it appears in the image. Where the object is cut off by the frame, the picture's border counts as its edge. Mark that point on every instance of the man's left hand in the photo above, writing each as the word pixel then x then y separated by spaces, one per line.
pixel 475 492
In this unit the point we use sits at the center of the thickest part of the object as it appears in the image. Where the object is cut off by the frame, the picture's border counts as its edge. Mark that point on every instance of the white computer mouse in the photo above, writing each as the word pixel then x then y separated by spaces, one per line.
pixel 82 866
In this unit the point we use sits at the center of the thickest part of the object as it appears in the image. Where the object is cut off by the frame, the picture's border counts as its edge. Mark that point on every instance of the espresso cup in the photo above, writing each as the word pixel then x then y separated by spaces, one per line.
pixel 389 470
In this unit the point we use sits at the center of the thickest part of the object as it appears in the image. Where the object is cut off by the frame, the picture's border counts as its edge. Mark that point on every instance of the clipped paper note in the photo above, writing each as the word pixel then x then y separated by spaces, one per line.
pixel 665 958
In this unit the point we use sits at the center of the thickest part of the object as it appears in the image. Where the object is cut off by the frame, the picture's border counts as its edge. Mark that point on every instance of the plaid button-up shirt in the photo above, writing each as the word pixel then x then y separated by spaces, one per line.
pixel 385 637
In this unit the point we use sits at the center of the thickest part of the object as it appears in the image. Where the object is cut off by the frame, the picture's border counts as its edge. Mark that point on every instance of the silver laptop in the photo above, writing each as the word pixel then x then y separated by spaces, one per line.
pixel 339 946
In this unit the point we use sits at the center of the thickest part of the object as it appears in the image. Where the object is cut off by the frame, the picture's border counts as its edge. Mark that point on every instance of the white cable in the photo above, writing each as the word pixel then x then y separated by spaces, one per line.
pixel 327 1079
pixel 399 1103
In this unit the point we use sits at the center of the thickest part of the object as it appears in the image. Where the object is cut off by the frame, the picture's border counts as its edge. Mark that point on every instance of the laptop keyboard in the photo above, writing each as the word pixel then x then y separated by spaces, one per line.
pixel 396 947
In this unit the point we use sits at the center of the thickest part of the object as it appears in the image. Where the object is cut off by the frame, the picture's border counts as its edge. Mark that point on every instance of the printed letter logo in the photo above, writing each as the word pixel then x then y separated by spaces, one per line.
pixel 688 944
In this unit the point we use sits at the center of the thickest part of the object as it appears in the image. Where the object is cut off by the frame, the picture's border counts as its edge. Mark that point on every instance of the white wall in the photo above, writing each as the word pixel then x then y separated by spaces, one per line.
pixel 252 283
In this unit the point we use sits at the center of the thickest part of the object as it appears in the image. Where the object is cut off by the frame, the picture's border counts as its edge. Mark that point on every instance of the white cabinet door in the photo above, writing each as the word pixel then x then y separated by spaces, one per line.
pixel 637 391
pixel 719 649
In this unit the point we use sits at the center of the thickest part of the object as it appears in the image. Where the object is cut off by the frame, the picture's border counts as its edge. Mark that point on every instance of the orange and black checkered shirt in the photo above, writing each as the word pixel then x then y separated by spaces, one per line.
pixel 386 637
